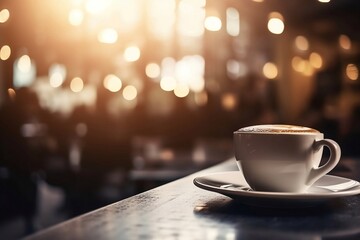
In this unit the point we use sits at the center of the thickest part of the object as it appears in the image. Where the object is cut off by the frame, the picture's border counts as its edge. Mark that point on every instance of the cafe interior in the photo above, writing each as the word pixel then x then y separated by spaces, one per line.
pixel 104 99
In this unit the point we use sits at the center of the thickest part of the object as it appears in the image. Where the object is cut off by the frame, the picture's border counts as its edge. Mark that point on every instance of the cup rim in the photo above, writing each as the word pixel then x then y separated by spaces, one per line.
pixel 281 129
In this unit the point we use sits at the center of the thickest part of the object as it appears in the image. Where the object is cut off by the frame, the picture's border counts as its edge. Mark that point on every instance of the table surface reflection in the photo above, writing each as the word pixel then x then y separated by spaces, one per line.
pixel 180 210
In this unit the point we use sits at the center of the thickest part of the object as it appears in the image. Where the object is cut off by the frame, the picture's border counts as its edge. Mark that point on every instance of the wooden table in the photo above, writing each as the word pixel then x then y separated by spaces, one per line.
pixel 180 210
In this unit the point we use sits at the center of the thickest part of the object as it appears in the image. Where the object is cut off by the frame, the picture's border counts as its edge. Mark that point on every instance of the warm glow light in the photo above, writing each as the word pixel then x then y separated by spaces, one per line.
pixel 129 93
pixel 213 23
pixel 168 83
pixel 301 43
pixel 228 101
pixel 12 94
pixel 308 69
pixel 76 84
pixel 24 71
pixel 97 6
pixel 57 74
pixel 168 67
pixel 161 18
pixel 315 60
pixel 352 72
pixel 236 69
pixel 190 71
pixel 5 52
pixel 152 70
pixel 197 84
pixel 298 64
pixel 270 70
pixel 24 63
pixel 276 26
pixel 276 23
pixel 76 17
pixel 345 42
pixel 108 35
pixel 232 22
pixel 4 15
pixel 184 70
pixel 190 17
pixel 112 83
pixel 324 1
pixel 181 90
pixel 198 3
pixel 128 13
pixel 132 54
pixel 56 80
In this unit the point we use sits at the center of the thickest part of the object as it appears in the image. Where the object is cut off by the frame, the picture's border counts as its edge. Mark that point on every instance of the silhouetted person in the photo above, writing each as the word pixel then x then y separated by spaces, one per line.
pixel 105 148
pixel 17 157
pixel 328 87
pixel 258 101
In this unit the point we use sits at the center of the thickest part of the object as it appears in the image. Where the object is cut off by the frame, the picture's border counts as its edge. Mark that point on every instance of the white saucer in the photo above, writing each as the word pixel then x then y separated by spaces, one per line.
pixel 233 184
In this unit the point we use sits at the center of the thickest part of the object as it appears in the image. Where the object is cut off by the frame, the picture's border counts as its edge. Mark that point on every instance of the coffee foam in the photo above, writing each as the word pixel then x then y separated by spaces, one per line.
pixel 277 128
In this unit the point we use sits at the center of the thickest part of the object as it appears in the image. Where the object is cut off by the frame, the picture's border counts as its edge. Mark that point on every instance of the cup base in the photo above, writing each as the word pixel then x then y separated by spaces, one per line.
pixel 285 181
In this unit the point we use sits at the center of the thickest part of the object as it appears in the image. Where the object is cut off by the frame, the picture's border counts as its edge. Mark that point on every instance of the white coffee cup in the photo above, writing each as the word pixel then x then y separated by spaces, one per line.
pixel 283 158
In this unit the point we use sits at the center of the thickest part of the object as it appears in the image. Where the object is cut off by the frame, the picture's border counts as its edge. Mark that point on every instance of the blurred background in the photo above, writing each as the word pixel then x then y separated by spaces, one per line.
pixel 103 99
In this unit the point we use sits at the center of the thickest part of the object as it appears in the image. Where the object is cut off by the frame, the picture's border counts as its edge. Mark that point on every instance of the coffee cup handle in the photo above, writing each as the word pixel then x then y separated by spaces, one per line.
pixel 335 153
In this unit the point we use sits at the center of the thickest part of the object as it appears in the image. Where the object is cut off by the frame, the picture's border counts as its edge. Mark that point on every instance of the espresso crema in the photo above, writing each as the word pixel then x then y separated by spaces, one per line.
pixel 276 128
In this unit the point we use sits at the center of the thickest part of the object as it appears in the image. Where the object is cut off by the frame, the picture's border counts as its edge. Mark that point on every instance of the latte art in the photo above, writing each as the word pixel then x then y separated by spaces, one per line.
pixel 276 128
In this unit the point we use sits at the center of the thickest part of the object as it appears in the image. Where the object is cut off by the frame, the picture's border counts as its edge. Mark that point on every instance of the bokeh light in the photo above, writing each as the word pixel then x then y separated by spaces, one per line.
pixel 97 6
pixel 213 23
pixel 345 42
pixel 181 90
pixel 190 71
pixel 57 74
pixel 190 17
pixel 168 83
pixel 11 93
pixel 236 69
pixel 130 93
pixel 4 15
pixel 152 70
pixel 132 54
pixel 76 17
pixel 301 43
pixel 276 23
pixel 297 63
pixel 5 52
pixel 308 69
pixel 315 60
pixel 270 70
pixel 76 84
pixel 56 79
pixel 197 84
pixel 232 22
pixel 24 63
pixel 112 83
pixel 168 67
pixel 352 72
pixel 24 71
pixel 228 101
pixel 161 18
pixel 108 35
